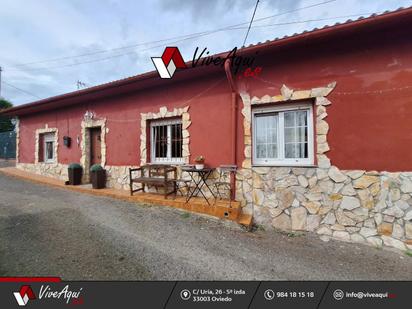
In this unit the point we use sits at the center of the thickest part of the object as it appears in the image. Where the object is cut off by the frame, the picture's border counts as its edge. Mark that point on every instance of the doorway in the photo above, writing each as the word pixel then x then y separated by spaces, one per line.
pixel 95 146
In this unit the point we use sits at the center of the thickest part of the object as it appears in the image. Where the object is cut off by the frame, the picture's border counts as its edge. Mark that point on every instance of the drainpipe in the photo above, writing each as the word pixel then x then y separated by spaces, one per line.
pixel 233 120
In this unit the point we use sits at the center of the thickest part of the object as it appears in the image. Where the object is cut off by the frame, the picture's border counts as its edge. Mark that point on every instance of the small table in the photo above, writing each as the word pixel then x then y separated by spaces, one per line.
pixel 203 175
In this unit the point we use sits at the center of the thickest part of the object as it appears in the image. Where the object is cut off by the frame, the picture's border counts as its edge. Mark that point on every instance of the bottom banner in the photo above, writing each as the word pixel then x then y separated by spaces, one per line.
pixel 54 293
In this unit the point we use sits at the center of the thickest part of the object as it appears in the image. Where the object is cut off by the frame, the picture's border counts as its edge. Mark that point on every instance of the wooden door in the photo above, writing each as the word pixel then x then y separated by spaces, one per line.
pixel 95 146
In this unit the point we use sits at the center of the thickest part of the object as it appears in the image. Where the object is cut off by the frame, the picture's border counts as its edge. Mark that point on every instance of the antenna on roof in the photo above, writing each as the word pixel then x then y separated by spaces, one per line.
pixel 80 84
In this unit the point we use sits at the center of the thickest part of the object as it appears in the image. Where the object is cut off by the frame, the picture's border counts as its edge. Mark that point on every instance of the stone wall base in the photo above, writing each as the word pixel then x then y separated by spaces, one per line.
pixel 355 206
pixel 54 170
pixel 117 177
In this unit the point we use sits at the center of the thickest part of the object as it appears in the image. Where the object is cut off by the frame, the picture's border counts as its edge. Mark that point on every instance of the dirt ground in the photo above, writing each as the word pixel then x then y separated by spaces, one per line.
pixel 49 231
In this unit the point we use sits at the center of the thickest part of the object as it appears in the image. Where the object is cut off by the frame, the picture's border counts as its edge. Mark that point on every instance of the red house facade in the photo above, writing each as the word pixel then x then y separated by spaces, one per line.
pixel 321 136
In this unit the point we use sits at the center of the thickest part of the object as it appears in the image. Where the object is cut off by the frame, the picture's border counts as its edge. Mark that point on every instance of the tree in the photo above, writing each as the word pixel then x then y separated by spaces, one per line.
pixel 5 122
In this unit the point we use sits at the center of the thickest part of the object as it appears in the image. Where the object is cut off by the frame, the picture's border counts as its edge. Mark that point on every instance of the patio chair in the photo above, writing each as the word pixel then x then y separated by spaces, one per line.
pixel 182 184
pixel 223 183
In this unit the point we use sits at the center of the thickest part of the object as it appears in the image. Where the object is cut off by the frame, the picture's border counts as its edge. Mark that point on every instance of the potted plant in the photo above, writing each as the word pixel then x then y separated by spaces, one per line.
pixel 199 160
pixel 75 172
pixel 98 176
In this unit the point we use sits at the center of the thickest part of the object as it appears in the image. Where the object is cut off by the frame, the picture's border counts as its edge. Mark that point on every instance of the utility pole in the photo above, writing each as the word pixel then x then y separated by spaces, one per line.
pixel 0 81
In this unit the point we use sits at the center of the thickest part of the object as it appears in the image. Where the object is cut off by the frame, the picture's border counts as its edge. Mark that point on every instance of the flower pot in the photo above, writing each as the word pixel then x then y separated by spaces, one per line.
pixel 75 176
pixel 98 179
pixel 199 166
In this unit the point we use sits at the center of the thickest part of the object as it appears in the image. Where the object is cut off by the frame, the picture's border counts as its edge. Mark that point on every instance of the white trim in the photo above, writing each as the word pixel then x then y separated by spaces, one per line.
pixel 281 161
pixel 168 159
pixel 37 145
pixel 163 113
pixel 86 125
pixel 164 122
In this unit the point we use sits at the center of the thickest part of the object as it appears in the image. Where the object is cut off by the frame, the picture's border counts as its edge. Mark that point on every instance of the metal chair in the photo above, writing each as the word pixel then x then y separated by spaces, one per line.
pixel 224 181
pixel 183 183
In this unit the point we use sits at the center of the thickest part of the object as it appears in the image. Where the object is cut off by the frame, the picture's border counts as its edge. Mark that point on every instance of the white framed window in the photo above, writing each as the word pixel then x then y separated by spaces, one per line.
pixel 166 141
pixel 283 135
pixel 48 147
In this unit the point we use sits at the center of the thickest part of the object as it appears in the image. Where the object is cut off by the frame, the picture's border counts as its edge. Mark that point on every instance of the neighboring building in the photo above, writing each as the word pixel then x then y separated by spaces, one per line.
pixel 8 145
pixel 322 136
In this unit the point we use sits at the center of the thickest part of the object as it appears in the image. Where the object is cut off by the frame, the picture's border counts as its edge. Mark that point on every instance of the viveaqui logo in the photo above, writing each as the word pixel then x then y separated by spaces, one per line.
pixel 241 66
pixel 72 297
pixel 169 62
pixel 23 296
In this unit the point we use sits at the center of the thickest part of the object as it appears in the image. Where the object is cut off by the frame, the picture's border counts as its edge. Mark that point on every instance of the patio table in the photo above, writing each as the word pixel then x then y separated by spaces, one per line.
pixel 199 182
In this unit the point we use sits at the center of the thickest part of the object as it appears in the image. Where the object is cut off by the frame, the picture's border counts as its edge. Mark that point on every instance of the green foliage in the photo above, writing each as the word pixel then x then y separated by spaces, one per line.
pixel 289 234
pixel 75 166
pixel 294 234
pixel 185 215
pixel 5 104
pixel 5 122
pixel 260 227
pixel 408 253
pixel 96 167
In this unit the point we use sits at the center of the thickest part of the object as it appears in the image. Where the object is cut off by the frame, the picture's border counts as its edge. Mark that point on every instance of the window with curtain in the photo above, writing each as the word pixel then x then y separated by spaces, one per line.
pixel 166 141
pixel 46 149
pixel 283 136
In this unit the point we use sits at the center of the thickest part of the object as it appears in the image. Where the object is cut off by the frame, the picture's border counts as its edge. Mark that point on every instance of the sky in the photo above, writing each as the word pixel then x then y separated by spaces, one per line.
pixel 47 46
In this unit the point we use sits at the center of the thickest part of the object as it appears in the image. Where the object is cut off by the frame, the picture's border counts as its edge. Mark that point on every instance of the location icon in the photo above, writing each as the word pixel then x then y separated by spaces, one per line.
pixel 185 294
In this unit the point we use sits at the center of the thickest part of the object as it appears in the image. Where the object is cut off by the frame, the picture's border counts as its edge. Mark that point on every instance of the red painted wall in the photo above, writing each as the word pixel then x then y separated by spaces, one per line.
pixel 209 114
pixel 368 129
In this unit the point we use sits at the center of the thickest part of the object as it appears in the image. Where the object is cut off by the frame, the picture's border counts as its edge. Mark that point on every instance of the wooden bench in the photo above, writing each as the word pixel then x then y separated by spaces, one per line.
pixel 155 175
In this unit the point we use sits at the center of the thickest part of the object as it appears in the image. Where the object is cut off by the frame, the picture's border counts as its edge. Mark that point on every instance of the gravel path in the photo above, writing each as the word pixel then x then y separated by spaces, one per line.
pixel 49 231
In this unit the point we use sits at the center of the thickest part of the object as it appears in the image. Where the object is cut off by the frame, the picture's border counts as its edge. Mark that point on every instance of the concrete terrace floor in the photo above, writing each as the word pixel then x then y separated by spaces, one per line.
pixel 50 231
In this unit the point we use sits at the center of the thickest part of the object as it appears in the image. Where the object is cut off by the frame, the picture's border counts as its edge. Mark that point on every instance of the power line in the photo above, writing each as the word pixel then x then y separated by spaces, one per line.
pixel 105 50
pixel 100 59
pixel 26 92
pixel 174 42
pixel 238 28
pixel 312 20
pixel 185 37
pixel 295 10
pixel 306 21
pixel 251 21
